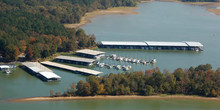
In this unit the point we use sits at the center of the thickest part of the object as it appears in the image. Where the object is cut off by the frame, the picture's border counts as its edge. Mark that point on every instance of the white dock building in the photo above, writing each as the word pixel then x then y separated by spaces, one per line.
pixel 40 71
pixel 75 60
pixel 152 45
pixel 90 53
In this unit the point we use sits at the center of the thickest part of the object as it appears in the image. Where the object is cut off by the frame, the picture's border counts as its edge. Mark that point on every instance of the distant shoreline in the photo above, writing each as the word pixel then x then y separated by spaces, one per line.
pixel 115 10
pixel 114 97
pixel 132 10
pixel 214 5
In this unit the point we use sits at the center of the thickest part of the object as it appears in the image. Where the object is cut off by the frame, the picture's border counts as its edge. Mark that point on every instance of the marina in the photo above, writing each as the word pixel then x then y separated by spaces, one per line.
pixel 83 71
pixel 159 21
pixel 40 71
pixel 152 45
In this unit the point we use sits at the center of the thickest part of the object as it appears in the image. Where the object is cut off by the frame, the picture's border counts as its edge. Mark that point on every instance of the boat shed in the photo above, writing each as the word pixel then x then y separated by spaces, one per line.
pixel 2 67
pixel 152 45
pixel 194 45
pixel 40 71
pixel 75 60
pixel 122 45
pixel 83 71
pixel 166 45
pixel 90 53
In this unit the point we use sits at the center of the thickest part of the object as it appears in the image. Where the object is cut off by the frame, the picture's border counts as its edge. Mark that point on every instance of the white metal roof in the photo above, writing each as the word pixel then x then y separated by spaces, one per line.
pixel 75 59
pixel 72 68
pixel 4 66
pixel 49 75
pixel 90 52
pixel 154 43
pixel 89 71
pixel 37 67
pixel 123 43
pixel 194 44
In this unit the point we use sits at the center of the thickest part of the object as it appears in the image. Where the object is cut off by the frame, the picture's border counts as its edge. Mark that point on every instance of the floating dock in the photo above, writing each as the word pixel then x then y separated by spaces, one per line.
pixel 90 53
pixel 75 60
pixel 83 71
pixel 152 45
pixel 41 71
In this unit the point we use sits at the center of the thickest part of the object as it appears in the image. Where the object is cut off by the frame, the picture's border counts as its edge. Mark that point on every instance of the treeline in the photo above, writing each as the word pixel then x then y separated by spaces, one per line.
pixel 200 0
pixel 202 81
pixel 63 11
pixel 35 27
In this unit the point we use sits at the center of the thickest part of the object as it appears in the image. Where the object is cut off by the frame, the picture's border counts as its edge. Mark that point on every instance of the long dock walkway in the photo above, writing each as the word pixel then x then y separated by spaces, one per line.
pixel 83 71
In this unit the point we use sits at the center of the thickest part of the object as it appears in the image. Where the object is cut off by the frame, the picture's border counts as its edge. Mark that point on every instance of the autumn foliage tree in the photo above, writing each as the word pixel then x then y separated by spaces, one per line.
pixel 11 53
pixel 202 82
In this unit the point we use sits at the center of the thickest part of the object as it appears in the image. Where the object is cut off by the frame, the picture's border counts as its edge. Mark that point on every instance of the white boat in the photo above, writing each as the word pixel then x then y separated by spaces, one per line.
pixel 101 65
pixel 129 59
pixel 118 67
pixel 134 61
pixel 113 56
pixel 137 61
pixel 154 61
pixel 110 66
pixel 7 71
pixel 125 59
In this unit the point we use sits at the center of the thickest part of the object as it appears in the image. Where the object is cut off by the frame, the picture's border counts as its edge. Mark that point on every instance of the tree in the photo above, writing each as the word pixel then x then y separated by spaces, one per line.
pixel 213 93
pixel 127 91
pixel 149 90
pixel 11 53
pixel 73 89
pixel 203 67
pixel 178 73
pixel 79 88
pixel 29 54
pixel 101 89
pixel 23 45
pixel 86 89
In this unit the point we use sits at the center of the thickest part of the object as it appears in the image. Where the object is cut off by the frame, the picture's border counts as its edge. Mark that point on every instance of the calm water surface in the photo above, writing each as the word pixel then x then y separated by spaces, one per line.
pixel 157 21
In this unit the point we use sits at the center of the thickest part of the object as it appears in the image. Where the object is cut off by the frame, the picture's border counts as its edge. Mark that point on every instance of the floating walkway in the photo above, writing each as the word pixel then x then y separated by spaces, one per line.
pixel 83 71
pixel 41 71
pixel 152 45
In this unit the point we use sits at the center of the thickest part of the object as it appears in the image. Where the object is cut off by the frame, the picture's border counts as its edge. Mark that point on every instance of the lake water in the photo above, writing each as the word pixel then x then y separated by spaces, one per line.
pixel 157 21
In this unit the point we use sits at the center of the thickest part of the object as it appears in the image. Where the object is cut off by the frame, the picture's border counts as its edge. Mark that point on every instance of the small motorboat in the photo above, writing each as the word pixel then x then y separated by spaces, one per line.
pixel 154 61
pixel 7 71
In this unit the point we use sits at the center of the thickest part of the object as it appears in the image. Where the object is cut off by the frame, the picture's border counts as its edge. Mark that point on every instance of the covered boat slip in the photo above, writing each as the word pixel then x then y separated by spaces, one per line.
pixel 75 60
pixel 152 45
pixel 41 71
pixel 90 53
pixel 83 71
pixel 122 45
pixel 2 67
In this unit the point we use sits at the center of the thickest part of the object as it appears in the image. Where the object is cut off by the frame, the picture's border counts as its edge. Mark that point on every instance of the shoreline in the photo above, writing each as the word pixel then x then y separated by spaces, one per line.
pixel 210 6
pixel 31 99
pixel 115 10
pixel 132 10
